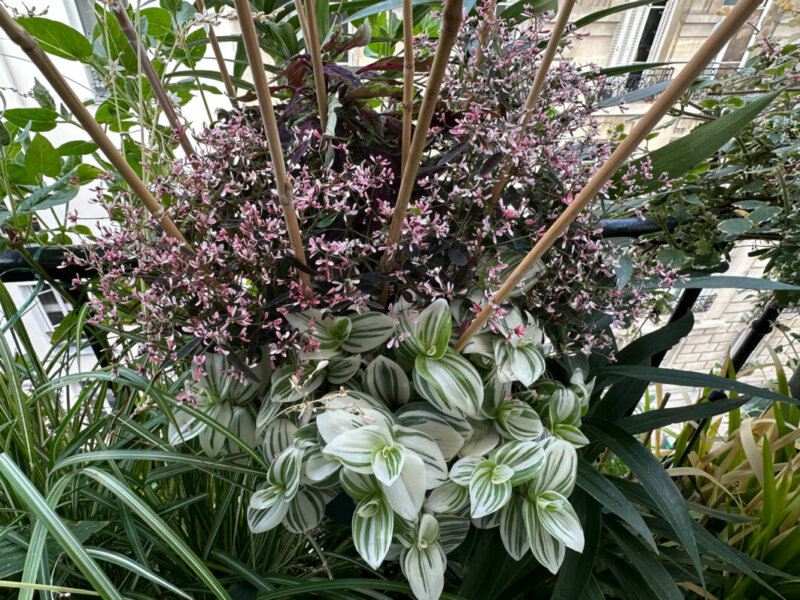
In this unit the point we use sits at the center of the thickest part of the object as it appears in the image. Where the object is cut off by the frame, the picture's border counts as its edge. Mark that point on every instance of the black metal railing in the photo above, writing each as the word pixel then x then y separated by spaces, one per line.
pixel 620 85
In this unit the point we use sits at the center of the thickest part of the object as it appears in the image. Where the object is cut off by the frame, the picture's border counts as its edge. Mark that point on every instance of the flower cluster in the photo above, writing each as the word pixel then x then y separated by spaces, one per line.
pixel 426 441
pixel 232 292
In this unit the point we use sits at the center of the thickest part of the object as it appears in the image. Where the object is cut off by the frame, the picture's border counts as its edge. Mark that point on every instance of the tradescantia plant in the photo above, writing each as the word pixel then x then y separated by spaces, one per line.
pixel 426 442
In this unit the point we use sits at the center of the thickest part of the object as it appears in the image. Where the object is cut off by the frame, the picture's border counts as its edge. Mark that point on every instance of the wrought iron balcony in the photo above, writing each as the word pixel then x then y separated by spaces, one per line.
pixel 622 87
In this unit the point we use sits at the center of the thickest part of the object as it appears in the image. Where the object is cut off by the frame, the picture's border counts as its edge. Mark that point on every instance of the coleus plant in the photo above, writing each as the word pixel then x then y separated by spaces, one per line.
pixel 426 442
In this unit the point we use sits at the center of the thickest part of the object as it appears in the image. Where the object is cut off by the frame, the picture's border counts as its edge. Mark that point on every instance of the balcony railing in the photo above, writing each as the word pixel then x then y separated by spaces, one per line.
pixel 633 87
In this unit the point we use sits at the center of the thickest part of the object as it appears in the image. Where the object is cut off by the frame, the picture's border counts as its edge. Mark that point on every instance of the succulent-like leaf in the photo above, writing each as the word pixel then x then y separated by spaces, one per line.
pixel 424 568
pixel 354 448
pixel 448 432
pixel 368 331
pixel 517 420
pixel 560 469
pixel 432 330
pixel 407 493
pixel 342 370
pixel 268 507
pixel 452 531
pixel 306 510
pixel 526 459
pixel 373 528
pixel 546 549
pixel 357 485
pixel 461 472
pixel 424 447
pixel 557 516
pixel 387 462
pixel 451 383
pixel 449 497
pixel 385 379
pixel 512 528
pixel 284 471
pixel 277 437
pixel 523 363
pixel 489 488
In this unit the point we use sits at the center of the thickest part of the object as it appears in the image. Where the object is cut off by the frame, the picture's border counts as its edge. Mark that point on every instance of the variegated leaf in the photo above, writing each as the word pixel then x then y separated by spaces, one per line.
pixel 523 363
pixel 285 471
pixel 424 447
pixel 545 548
pixel 342 370
pixel 424 568
pixel 451 383
pixel 564 408
pixel 461 472
pixel 481 442
pixel 188 427
pixel 354 448
pixel 512 528
pixel 560 469
pixel 491 521
pixel 358 486
pixel 452 531
pixel 212 441
pixel 373 528
pixel 571 434
pixel 432 329
pixel 288 378
pixel 448 432
pixel 388 461
pixel 277 437
pixel 519 421
pixel 557 516
pixel 489 488
pixel 345 412
pixel 386 380
pixel 306 510
pixel 449 497
pixel 316 466
pixel 268 507
pixel 526 459
pixel 407 493
pixel 369 330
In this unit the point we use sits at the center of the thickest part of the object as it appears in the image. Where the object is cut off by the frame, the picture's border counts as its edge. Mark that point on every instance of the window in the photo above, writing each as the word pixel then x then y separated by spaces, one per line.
pixel 86 21
pixel 640 35
pixel 51 307
pixel 735 53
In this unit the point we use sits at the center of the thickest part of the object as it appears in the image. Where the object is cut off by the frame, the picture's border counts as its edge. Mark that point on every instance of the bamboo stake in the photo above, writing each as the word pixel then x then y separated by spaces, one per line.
pixel 408 80
pixel 24 40
pixel 308 23
pixel 729 26
pixel 155 81
pixel 223 69
pixel 451 21
pixel 264 95
pixel 533 95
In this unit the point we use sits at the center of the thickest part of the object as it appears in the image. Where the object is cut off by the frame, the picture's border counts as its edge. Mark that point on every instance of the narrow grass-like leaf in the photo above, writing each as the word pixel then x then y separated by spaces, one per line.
pixel 131 565
pixel 57 528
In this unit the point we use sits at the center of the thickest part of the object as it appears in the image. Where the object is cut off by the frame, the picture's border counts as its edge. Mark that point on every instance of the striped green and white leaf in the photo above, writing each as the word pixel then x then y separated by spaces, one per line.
pixel 350 410
pixel 448 432
pixel 424 447
pixel 571 434
pixel 517 420
pixel 491 521
pixel 357 485
pixel 284 472
pixel 373 528
pixel 134 567
pixel 560 469
pixel 342 370
pixel 495 392
pixel 338 330
pixel 526 459
pixel 212 441
pixel 451 383
pixel 354 449
pixel 388 461
pixel 186 427
pixel 316 466
pixel 277 437
pixel 557 516
pixel 386 380
pixel 452 531
pixel 306 510
pixel 424 563
pixel 461 472
pixel 290 384
pixel 268 507
pixel 449 497
pixel 481 442
pixel 489 488
pixel 368 331
pixel 523 363
pixel 407 493
pixel 432 329
pixel 512 528
pixel 564 408
pixel 545 548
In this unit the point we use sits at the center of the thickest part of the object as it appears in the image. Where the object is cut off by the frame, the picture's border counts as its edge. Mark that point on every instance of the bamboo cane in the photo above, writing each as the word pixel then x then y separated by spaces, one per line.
pixel 223 69
pixel 24 40
pixel 263 93
pixel 408 80
pixel 155 81
pixel 710 48
pixel 533 95
pixel 308 23
pixel 451 21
